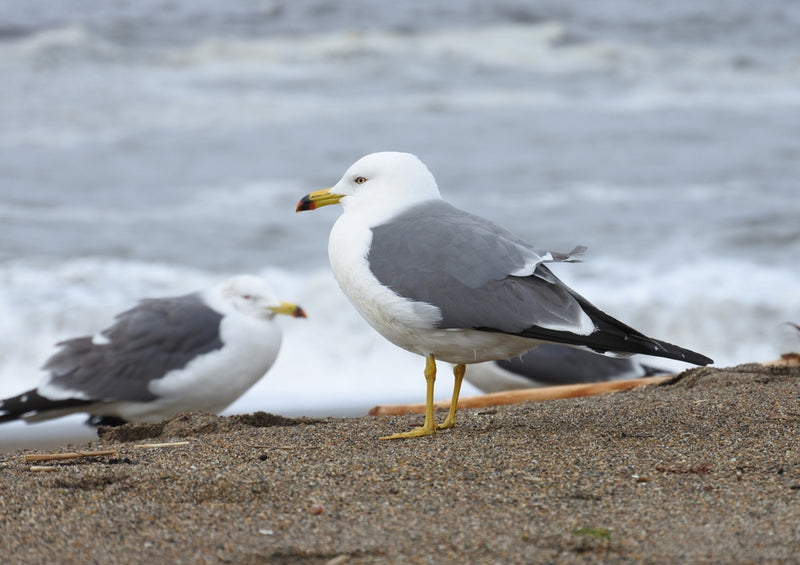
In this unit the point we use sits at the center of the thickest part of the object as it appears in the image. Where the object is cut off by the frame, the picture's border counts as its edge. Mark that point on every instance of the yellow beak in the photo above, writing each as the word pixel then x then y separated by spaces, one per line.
pixel 289 309
pixel 316 199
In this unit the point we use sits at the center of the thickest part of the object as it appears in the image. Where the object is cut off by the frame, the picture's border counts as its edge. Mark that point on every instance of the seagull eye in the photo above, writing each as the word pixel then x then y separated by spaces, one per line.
pixel 360 180
pixel 246 296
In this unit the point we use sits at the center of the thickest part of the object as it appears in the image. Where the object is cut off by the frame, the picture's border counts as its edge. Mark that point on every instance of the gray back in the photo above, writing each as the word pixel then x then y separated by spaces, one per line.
pixel 461 263
pixel 157 336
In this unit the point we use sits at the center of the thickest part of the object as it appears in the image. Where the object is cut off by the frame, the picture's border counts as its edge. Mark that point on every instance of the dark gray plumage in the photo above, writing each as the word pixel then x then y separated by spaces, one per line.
pixel 145 343
pixel 553 365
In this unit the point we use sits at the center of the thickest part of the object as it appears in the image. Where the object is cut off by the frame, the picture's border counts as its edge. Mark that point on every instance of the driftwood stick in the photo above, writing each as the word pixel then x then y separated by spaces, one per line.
pixel 155 445
pixel 528 394
pixel 287 447
pixel 72 455
pixel 786 360
pixel 43 468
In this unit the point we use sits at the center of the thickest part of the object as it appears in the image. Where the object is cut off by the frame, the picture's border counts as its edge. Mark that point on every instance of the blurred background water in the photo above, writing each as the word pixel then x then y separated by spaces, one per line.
pixel 151 148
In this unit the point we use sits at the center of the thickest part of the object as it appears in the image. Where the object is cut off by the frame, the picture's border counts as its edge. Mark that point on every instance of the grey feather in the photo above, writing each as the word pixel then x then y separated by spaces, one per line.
pixel 560 364
pixel 461 263
pixel 159 335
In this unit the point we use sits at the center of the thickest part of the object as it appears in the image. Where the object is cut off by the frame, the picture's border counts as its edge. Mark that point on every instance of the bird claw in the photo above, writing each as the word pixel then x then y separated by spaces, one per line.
pixel 447 424
pixel 416 432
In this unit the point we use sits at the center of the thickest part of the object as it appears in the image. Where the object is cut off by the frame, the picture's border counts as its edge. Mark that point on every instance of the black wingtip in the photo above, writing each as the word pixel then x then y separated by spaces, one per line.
pixel 698 359
pixel 31 405
pixel 670 351
pixel 108 421
pixel 693 358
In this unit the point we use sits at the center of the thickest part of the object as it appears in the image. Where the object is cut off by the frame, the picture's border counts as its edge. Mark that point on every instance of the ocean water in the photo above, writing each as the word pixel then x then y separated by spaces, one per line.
pixel 153 148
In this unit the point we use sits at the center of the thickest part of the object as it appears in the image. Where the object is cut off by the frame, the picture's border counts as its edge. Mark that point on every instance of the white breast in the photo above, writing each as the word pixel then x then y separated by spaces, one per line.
pixel 212 382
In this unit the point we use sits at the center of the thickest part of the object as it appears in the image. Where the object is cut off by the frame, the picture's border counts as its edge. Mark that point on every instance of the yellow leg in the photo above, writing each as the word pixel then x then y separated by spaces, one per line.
pixel 458 373
pixel 429 427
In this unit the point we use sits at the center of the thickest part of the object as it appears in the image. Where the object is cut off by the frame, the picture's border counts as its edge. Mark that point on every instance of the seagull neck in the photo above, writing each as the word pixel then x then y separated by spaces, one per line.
pixel 213 297
pixel 379 212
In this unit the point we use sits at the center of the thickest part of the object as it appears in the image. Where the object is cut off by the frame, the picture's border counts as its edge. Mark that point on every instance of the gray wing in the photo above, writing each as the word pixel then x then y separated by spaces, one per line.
pixel 482 277
pixel 464 265
pixel 157 336
pixel 561 364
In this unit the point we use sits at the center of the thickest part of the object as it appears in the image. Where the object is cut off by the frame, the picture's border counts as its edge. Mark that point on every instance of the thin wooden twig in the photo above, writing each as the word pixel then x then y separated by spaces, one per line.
pixel 283 447
pixel 155 445
pixel 40 468
pixel 786 360
pixel 71 455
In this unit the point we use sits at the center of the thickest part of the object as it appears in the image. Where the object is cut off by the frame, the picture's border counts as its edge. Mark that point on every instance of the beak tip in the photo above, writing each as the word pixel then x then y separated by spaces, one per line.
pixel 317 199
pixel 299 313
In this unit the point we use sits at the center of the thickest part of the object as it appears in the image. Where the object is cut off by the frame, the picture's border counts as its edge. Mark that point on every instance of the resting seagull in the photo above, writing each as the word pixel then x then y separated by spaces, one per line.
pixel 554 365
pixel 197 352
pixel 446 284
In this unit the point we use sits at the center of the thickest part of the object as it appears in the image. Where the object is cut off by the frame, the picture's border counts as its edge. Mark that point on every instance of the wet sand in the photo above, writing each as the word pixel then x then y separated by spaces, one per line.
pixel 704 468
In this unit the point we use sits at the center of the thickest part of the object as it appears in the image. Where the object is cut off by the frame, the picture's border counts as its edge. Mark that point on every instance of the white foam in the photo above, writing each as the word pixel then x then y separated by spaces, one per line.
pixel 734 312
pixel 50 46
pixel 334 364
pixel 726 309
pixel 653 77
pixel 241 82
pixel 200 204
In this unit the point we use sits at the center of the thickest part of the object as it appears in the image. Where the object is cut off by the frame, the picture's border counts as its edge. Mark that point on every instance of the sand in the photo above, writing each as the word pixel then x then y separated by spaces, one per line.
pixel 702 469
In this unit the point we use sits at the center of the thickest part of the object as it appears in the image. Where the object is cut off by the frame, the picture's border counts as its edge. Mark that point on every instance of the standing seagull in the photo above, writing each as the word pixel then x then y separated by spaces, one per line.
pixel 446 284
pixel 200 352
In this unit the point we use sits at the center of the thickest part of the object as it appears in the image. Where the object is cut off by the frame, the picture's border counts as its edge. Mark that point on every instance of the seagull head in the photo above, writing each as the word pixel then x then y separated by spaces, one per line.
pixel 252 297
pixel 378 181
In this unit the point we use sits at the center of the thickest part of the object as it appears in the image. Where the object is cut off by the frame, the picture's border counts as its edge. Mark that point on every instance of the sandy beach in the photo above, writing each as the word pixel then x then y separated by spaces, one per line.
pixel 704 468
